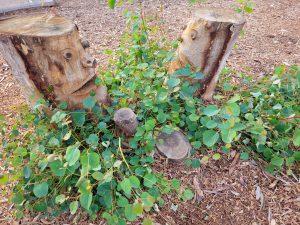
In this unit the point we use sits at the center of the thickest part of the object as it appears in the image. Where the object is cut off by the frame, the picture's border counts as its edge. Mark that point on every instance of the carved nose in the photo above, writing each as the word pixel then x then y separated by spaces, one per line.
pixel 85 44
pixel 89 63
pixel 180 39
pixel 94 63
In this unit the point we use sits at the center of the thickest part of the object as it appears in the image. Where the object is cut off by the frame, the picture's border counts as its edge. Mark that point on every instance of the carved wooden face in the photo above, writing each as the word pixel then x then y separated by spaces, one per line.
pixel 70 64
pixel 195 42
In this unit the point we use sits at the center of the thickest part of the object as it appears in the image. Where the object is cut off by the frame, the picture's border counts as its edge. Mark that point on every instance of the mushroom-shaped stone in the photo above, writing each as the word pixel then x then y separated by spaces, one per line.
pixel 126 121
pixel 174 146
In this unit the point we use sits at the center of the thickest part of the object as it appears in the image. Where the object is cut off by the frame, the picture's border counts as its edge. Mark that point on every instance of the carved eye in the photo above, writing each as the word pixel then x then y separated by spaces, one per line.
pixel 68 55
pixel 194 34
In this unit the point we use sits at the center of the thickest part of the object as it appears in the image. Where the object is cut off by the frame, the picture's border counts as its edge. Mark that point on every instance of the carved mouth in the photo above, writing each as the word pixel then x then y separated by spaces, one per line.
pixel 86 88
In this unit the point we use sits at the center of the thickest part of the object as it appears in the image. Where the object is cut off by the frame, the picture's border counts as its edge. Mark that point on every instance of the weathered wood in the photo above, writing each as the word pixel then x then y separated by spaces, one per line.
pixel 126 121
pixel 48 59
pixel 174 146
pixel 206 43
pixel 13 5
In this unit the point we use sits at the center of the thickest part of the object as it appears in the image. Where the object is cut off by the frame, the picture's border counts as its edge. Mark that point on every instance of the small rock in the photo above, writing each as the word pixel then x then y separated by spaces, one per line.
pixel 174 146
pixel 126 121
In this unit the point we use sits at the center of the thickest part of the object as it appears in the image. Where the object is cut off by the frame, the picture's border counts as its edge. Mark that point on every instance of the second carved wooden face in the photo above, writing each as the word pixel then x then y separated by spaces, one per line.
pixel 194 43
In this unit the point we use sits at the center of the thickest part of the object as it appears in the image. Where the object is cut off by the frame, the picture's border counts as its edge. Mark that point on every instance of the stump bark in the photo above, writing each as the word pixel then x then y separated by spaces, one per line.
pixel 174 146
pixel 206 43
pixel 47 58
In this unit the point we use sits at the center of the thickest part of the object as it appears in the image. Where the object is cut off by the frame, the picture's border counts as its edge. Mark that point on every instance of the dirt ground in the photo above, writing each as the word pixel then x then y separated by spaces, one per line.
pixel 228 191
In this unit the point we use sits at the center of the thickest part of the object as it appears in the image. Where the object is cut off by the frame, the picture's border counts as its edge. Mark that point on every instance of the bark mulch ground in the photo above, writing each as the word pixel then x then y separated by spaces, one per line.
pixel 228 191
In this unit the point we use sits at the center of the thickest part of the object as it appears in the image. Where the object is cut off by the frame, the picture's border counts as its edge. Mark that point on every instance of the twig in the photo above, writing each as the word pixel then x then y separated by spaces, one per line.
pixel 234 162
pixel 289 118
pixel 3 78
pixel 215 191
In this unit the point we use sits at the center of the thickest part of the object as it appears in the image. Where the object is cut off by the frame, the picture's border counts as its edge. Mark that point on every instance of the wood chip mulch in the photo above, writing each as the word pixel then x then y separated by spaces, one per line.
pixel 228 191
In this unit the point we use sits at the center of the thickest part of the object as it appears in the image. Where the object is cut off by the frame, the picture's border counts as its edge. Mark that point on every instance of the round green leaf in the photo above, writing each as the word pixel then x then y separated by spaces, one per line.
pixel 211 110
pixel 150 124
pixel 175 184
pixel 210 124
pixel 27 172
pixel 40 190
pixel 161 117
pixel 72 154
pixel 196 144
pixel 296 137
pixel 90 161
pixel 147 200
pixel 277 161
pixel 135 182
pixel 126 186
pixel 149 180
pixel 228 135
pixel 147 221
pixel 137 208
pixel 195 163
pixel 89 102
pixel 122 201
pixel 210 137
pixel 53 142
pixel 187 195
pixel 216 156
pixel 244 156
pixel 93 140
pixel 78 117
pixel 59 199
pixel 173 82
pixel 111 3
pixel 162 95
pixel 86 200
pixel 101 126
pixel 232 109
pixel 97 175
pixel 73 207
pixel 193 117
pixel 57 168
pixel 129 214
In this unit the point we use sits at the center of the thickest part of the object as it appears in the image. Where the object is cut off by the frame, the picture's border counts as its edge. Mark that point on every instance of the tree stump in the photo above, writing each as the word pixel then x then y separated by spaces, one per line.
pixel 47 58
pixel 206 43
pixel 174 146
pixel 126 121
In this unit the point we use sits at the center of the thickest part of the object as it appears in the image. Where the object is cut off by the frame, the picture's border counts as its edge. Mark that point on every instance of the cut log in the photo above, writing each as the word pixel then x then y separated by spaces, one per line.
pixel 126 121
pixel 13 5
pixel 47 58
pixel 174 146
pixel 206 43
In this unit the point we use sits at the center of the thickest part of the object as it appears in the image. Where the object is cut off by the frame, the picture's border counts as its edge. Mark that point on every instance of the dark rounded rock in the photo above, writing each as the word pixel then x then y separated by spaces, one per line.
pixel 126 121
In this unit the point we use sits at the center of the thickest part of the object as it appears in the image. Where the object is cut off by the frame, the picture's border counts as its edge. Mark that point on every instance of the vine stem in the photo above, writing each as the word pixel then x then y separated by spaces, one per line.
pixel 123 157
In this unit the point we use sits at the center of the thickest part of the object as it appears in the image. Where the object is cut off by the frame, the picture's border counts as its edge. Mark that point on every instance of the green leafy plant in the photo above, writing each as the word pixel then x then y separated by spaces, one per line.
pixel 76 161
pixel 244 6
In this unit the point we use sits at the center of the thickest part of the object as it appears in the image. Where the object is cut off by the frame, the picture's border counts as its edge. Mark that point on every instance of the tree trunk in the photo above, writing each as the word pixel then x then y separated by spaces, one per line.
pixel 206 43
pixel 48 59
